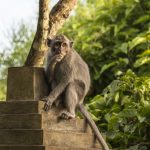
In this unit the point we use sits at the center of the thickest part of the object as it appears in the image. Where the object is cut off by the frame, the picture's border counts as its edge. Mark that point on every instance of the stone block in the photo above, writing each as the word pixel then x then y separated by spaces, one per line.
pixel 70 139
pixel 69 148
pixel 21 121
pixel 21 137
pixel 20 107
pixel 26 83
pixel 22 147
pixel 30 114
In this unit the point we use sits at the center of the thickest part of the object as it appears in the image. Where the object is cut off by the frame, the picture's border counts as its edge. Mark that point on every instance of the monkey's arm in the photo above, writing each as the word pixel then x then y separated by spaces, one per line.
pixel 54 94
pixel 57 91
pixel 50 66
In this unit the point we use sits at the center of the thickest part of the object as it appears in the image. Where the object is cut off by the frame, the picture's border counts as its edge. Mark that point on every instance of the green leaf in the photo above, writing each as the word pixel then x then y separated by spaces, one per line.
pixel 141 119
pixel 107 66
pixel 136 41
pixel 128 113
pixel 117 97
pixel 94 117
pixel 141 61
pixel 142 19
pixel 145 53
pixel 145 112
pixel 124 47
pixel 113 123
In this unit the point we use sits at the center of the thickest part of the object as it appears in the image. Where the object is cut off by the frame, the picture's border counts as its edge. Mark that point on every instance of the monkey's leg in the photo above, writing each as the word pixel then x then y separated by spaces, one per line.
pixel 71 101
pixel 57 101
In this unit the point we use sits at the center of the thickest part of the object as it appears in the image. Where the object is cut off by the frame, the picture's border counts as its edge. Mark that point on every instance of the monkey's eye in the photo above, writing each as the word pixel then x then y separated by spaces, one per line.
pixel 49 42
pixel 64 44
pixel 57 45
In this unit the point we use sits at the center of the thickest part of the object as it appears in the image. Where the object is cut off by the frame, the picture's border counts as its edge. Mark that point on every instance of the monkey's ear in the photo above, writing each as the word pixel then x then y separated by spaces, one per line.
pixel 49 42
pixel 71 44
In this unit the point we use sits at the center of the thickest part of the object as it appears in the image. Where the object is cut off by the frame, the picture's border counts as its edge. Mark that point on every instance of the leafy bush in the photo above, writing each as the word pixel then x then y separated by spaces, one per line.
pixel 122 111
pixel 113 37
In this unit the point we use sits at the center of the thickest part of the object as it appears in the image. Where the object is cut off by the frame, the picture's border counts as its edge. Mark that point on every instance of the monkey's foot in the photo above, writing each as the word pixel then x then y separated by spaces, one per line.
pixel 66 115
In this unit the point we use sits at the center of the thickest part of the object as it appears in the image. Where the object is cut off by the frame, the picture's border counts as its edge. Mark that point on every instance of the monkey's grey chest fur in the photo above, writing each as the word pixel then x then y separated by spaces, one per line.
pixel 74 68
pixel 61 70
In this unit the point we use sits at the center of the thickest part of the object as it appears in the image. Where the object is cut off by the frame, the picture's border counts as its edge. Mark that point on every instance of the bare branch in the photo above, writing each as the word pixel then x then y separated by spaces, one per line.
pixel 59 14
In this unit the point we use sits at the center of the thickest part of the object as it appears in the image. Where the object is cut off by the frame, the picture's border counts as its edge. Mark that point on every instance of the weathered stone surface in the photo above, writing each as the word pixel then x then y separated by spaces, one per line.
pixel 26 83
pixel 74 125
pixel 21 137
pixel 18 147
pixel 50 121
pixel 69 148
pixel 26 115
pixel 21 121
pixel 24 123
pixel 20 107
pixel 12 147
pixel 69 139
pixel 36 121
pixel 51 138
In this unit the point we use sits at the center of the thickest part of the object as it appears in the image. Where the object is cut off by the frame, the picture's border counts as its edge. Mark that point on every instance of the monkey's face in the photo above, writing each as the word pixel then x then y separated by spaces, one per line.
pixel 60 45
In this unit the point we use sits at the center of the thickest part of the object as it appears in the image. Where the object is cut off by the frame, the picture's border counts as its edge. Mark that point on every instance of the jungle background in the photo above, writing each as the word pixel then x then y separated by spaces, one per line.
pixel 113 37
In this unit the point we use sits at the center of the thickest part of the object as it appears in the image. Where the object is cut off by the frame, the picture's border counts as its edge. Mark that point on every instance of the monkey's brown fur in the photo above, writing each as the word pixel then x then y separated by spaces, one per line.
pixel 69 78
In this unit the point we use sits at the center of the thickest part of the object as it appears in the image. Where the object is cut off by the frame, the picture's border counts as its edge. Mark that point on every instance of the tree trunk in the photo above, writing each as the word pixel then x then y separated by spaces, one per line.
pixel 48 25
pixel 39 47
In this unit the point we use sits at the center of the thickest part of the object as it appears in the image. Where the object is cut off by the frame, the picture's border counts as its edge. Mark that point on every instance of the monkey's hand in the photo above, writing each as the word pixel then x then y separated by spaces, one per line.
pixel 48 103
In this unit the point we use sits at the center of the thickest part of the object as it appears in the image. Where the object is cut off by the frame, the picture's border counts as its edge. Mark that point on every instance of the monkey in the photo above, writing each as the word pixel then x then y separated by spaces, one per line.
pixel 69 77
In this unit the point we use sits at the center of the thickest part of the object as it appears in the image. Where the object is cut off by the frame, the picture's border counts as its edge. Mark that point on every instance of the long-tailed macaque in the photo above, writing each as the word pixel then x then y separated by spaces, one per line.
pixel 69 77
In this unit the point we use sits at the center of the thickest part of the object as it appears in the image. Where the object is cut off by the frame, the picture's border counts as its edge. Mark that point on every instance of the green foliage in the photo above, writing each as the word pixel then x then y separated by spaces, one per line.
pixel 122 111
pixel 15 54
pixel 112 36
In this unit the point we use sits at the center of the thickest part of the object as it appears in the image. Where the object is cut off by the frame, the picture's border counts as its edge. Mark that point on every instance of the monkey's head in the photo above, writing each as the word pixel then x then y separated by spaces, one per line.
pixel 60 45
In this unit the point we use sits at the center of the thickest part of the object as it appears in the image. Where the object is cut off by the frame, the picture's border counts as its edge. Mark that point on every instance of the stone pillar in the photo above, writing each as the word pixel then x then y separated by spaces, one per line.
pixel 26 83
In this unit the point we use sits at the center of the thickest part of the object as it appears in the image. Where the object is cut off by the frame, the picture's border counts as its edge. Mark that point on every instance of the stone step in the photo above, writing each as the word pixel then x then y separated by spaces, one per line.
pixel 34 147
pixel 27 113
pixel 21 137
pixel 50 122
pixel 70 139
pixel 20 121
pixel 44 121
pixel 48 138
pixel 23 147
pixel 20 107
pixel 69 148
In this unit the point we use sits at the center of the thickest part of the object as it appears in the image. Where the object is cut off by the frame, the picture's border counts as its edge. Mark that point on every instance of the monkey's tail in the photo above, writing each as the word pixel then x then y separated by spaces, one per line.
pixel 92 124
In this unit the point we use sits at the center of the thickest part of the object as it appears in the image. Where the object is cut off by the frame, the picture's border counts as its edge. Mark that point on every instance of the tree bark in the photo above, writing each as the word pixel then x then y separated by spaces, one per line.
pixel 38 47
pixel 58 15
pixel 48 25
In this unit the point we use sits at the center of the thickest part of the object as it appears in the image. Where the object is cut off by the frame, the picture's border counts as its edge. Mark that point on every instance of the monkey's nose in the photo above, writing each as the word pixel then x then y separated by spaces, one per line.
pixel 58 51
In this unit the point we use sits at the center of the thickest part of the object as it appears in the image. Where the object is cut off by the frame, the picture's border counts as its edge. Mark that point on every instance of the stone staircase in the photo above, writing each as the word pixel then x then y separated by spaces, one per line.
pixel 25 126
